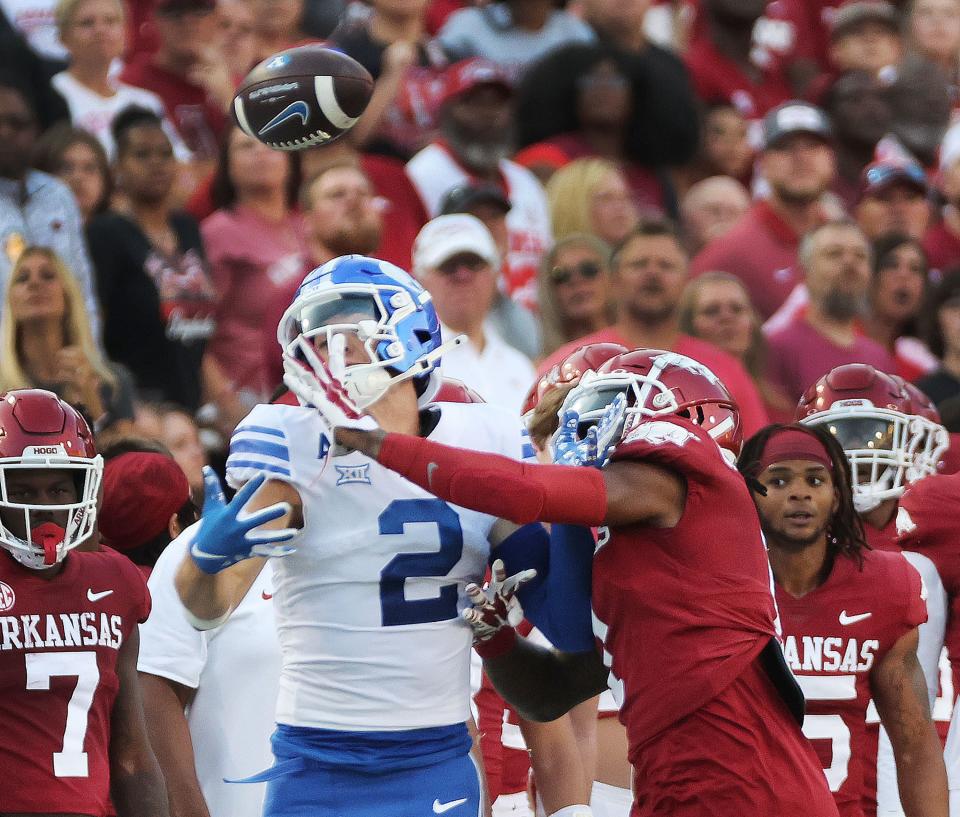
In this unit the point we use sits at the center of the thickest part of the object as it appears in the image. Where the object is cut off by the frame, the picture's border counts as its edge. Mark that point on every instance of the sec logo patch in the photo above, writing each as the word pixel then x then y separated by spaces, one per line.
pixel 7 597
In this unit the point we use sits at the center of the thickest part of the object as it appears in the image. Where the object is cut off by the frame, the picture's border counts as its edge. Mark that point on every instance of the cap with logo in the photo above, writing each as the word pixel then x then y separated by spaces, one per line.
pixel 851 16
pixel 795 117
pixel 466 75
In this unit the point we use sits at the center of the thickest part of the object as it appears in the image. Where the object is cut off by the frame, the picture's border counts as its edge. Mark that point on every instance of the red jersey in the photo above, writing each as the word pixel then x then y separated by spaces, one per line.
pixel 942 247
pixel 506 760
pixel 59 643
pixel 833 637
pixel 681 611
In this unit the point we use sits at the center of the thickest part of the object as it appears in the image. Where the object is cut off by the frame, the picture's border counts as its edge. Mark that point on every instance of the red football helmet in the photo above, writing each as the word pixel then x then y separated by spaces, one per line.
pixel 455 391
pixel 881 427
pixel 39 431
pixel 657 383
pixel 934 438
pixel 570 370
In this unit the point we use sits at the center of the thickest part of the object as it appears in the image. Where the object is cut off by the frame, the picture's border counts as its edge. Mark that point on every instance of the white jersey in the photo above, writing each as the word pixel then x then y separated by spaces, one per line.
pixel 368 608
pixel 234 670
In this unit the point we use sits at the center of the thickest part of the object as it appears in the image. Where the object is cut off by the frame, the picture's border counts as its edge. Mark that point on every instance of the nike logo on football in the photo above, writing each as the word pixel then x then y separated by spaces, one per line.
pixel 438 807
pixel 265 595
pixel 298 108
pixel 845 619
pixel 91 596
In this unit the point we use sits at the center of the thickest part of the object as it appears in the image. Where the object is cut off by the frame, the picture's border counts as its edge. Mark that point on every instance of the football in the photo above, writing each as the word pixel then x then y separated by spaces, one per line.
pixel 302 97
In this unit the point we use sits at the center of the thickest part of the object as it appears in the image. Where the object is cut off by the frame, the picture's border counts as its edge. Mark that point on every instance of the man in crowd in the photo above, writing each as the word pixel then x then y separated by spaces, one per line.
pixel 36 208
pixel 475 125
pixel 942 241
pixel 711 208
pixel 456 260
pixel 798 164
pixel 893 198
pixel 649 273
pixel 866 36
pixel 835 259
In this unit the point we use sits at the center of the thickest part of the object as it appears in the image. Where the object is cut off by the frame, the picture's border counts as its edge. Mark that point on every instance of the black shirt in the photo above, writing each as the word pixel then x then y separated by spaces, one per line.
pixel 939 385
pixel 158 310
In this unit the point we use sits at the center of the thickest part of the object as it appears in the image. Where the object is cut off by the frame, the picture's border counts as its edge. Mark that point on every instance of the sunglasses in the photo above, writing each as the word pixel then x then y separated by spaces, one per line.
pixel 585 269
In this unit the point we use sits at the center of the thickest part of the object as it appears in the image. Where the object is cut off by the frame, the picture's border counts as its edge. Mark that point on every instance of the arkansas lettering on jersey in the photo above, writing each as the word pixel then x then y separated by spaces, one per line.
pixel 681 611
pixel 59 643
pixel 832 638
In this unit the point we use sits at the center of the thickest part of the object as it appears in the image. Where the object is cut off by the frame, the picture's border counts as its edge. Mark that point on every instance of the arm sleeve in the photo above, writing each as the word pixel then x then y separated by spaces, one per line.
pixel 169 646
pixel 260 446
pixel 566 615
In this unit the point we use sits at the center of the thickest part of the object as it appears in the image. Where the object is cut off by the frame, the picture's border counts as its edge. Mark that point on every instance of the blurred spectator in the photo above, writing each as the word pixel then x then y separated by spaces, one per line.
pixel 921 105
pixel 25 69
pixel 716 308
pixel 596 100
pixel 46 342
pixel 591 196
pixel 36 208
pixel 277 25
pixel 648 275
pixel 178 432
pixel 835 258
pixel 710 209
pixel 859 108
pixel 723 64
pixel 725 148
pixel 146 504
pixel 157 298
pixel 893 199
pixel 865 36
pixel 475 123
pixel 455 259
pixel 517 326
pixel 93 33
pixel 512 33
pixel 575 290
pixel 341 217
pixel 188 72
pixel 256 249
pixel 933 28
pixel 798 164
pixel 238 41
pixel 79 159
pixel 941 321
pixel 897 294
pixel 35 22
pixel 942 240
pixel 619 22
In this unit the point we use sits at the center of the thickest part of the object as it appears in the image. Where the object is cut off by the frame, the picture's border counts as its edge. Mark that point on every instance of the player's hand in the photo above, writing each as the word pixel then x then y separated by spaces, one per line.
pixel 495 605
pixel 228 535
pixel 321 384
pixel 595 447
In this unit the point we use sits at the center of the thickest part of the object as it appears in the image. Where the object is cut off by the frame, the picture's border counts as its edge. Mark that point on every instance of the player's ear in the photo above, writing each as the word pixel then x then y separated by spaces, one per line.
pixel 174 528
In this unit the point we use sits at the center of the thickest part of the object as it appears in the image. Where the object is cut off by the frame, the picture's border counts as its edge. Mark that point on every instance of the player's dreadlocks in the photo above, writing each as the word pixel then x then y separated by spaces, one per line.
pixel 845 534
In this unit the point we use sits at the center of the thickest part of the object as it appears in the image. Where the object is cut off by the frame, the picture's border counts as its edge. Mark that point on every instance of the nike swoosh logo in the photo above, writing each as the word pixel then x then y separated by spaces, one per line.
pixel 97 596
pixel 438 807
pixel 298 108
pixel 265 595
pixel 845 619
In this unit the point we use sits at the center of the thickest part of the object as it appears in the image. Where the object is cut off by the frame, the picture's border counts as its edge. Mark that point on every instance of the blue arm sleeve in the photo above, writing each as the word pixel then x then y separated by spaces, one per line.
pixel 557 602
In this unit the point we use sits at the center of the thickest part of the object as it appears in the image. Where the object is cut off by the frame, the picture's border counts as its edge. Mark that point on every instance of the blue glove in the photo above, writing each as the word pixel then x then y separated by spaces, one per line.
pixel 225 537
pixel 594 449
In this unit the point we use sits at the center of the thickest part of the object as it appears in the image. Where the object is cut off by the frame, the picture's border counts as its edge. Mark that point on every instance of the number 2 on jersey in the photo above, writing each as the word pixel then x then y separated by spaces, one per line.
pixel 395 608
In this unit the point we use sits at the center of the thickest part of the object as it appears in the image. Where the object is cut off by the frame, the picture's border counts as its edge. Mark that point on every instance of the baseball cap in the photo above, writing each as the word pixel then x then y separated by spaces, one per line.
pixel 461 198
pixel 469 74
pixel 880 176
pixel 447 236
pixel 852 15
pixel 141 491
pixel 795 117
pixel 183 6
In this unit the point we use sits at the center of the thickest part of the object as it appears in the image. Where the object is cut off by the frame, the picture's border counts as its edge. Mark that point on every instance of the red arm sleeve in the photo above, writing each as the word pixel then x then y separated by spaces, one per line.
pixel 499 486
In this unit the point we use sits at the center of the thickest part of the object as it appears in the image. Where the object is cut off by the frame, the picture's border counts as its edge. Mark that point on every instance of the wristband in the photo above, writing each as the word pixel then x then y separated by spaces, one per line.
pixel 499 645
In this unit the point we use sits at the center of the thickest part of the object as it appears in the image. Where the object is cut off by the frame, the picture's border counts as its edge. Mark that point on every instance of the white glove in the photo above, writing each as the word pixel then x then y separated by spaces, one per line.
pixel 323 383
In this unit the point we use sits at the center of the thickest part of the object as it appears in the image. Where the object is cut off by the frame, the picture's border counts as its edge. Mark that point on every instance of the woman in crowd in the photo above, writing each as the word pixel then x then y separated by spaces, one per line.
pixel 934 30
pixel 591 196
pixel 46 342
pixel 716 307
pixel 574 292
pixel 78 158
pixel 941 322
pixel 178 433
pixel 896 298
pixel 155 293
pixel 254 243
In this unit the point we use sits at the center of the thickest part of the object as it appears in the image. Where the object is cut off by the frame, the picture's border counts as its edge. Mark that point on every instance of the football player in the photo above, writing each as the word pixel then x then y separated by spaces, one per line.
pixel 74 741
pixel 681 592
pixel 374 687
pixel 849 616
pixel 892 438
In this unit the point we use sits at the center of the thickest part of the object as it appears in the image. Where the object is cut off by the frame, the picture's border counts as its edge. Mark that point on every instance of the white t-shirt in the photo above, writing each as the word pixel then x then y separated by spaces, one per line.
pixel 499 374
pixel 235 670
pixel 94 113
pixel 368 607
